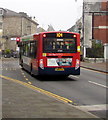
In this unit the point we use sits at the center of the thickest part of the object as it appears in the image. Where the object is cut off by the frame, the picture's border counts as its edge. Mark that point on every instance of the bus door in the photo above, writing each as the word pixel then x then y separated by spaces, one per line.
pixel 33 51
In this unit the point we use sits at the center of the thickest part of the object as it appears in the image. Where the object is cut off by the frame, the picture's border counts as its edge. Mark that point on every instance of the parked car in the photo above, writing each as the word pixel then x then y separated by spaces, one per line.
pixel 15 54
pixel 7 55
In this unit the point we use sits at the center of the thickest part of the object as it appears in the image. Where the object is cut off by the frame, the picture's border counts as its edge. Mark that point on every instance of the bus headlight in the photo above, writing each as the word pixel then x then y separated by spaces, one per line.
pixel 77 64
pixel 41 64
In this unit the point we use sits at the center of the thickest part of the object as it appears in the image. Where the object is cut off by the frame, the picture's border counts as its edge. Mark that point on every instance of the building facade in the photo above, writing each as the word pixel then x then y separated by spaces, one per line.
pixel 15 25
pixel 94 28
pixel 100 27
pixel 1 27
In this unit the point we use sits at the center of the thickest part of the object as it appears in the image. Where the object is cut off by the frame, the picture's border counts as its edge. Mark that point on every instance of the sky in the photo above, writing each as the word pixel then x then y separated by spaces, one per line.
pixel 61 14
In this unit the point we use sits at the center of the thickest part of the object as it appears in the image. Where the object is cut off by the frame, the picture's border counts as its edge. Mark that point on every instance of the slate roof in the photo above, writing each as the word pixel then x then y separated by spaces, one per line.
pixel 10 13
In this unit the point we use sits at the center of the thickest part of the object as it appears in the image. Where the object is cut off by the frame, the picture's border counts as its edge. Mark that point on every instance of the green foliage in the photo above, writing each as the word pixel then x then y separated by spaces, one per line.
pixel 97 50
pixel 96 45
pixel 7 51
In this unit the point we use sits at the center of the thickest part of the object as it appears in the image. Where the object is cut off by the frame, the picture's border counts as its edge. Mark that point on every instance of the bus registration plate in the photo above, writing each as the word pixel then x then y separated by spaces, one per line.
pixel 59 69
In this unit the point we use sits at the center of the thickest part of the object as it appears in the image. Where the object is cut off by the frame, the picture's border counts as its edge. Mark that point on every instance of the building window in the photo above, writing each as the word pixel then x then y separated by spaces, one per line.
pixel 0 25
pixel 1 12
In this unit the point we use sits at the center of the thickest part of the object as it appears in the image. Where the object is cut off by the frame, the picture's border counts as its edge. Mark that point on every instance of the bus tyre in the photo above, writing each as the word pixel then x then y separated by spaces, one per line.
pixel 22 65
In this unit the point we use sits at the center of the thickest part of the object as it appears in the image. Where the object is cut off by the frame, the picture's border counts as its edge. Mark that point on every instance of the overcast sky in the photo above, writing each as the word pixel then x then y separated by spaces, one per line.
pixel 61 14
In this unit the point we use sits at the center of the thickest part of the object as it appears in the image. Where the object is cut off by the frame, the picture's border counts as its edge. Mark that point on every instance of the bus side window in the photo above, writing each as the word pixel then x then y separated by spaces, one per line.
pixel 24 50
pixel 27 49
pixel 33 49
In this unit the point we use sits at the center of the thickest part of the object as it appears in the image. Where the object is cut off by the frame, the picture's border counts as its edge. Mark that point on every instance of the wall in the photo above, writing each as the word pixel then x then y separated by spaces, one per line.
pixel 104 6
pixel 101 28
pixel 26 26
pixel 17 26
pixel 106 52
pixel 33 28
pixel 1 31
pixel 87 30
pixel 12 26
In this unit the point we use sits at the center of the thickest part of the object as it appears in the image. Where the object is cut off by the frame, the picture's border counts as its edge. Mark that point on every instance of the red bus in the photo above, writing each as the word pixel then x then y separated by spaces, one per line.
pixel 51 53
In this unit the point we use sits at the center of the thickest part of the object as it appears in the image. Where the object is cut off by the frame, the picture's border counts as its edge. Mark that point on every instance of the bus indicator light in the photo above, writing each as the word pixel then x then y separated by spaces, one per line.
pixel 74 36
pixel 78 48
pixel 44 35
pixel 44 54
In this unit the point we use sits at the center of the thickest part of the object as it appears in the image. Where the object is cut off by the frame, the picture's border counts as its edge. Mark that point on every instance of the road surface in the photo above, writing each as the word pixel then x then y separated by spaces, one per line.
pixel 87 91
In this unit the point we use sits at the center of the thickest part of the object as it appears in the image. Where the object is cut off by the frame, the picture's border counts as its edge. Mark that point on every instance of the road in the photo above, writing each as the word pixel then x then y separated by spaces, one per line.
pixel 87 91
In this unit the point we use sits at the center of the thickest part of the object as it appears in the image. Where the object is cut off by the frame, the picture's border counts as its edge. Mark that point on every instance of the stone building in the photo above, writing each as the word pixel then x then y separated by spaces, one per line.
pixel 14 25
pixel 77 27
pixel 1 27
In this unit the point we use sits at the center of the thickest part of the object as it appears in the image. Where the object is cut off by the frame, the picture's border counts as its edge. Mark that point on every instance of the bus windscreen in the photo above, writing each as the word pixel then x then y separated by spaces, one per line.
pixel 59 45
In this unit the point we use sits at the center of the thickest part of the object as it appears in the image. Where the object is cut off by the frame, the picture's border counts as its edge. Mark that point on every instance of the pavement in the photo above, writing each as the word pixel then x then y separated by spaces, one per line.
pixel 101 67
pixel 19 100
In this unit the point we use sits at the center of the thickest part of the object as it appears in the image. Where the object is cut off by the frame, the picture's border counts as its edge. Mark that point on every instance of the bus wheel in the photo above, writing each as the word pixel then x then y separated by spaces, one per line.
pixel 22 65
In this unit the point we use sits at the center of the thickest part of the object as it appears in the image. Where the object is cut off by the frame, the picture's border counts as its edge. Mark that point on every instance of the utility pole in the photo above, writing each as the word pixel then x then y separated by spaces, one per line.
pixel 83 47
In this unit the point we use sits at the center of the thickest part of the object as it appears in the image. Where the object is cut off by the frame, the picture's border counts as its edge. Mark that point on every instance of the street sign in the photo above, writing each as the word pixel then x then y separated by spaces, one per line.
pixel 13 38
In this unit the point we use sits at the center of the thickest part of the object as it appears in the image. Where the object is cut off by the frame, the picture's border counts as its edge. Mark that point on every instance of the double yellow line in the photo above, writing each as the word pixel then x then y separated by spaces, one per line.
pixel 38 89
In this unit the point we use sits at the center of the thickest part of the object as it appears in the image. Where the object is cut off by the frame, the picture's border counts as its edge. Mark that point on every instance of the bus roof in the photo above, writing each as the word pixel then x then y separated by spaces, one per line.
pixel 58 32
pixel 30 37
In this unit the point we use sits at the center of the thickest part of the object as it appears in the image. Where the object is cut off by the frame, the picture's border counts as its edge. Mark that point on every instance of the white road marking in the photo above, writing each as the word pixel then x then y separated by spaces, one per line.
pixel 73 76
pixel 98 84
pixel 93 107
